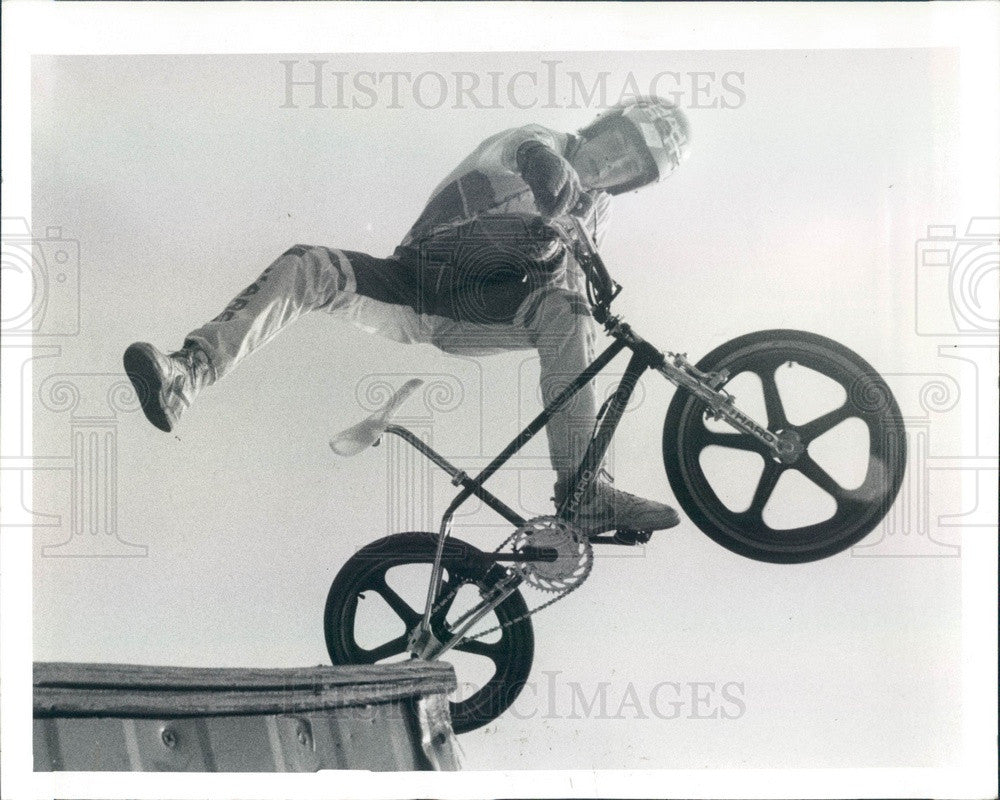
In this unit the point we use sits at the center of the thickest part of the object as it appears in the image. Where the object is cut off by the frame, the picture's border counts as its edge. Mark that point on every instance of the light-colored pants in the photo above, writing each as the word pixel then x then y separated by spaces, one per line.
pixel 552 319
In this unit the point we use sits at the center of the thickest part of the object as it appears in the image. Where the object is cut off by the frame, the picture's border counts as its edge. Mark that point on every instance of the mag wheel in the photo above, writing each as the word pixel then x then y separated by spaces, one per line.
pixel 808 389
pixel 378 597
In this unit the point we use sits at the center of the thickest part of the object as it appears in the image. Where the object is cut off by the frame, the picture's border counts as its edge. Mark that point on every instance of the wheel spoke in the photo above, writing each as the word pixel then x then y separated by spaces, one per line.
pixel 765 487
pixel 736 441
pixel 491 650
pixel 814 472
pixel 391 648
pixel 772 400
pixel 396 603
pixel 817 427
pixel 351 640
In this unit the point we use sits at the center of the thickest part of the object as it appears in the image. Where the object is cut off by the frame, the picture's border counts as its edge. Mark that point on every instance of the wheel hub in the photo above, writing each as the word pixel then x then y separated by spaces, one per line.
pixel 789 446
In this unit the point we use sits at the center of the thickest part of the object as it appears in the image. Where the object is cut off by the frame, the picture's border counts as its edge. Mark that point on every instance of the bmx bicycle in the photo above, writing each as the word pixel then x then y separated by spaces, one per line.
pixel 468 587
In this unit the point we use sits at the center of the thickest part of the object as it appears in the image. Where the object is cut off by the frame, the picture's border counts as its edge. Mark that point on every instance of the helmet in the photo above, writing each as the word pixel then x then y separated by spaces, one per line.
pixel 658 126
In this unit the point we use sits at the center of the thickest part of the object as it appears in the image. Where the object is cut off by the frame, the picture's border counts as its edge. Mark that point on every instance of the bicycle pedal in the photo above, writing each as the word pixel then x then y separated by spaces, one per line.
pixel 632 537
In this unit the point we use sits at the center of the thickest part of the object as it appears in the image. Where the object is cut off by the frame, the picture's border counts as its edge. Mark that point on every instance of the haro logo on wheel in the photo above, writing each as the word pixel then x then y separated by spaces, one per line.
pixel 748 423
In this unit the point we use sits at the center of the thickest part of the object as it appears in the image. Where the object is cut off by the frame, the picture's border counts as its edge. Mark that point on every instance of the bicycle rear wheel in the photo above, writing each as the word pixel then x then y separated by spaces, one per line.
pixel 839 395
pixel 367 590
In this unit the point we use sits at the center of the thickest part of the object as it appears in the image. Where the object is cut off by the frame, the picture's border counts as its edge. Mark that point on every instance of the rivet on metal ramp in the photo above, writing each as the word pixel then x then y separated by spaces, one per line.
pixel 169 737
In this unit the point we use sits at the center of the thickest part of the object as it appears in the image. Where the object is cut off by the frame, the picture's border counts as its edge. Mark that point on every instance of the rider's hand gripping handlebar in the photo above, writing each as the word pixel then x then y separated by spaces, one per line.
pixel 601 286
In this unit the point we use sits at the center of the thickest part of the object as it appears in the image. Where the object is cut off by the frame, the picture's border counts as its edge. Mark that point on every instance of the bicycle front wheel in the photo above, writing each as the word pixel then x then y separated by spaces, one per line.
pixel 377 599
pixel 840 487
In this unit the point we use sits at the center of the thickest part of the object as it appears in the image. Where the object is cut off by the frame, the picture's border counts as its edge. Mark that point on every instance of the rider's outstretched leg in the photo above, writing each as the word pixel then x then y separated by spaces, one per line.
pixel 303 279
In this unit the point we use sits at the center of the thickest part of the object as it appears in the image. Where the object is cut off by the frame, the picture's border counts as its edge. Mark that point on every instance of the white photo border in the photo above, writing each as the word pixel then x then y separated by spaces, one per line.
pixel 215 28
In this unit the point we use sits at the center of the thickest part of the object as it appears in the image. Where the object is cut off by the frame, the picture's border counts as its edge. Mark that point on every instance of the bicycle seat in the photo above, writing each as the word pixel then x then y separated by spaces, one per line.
pixel 358 437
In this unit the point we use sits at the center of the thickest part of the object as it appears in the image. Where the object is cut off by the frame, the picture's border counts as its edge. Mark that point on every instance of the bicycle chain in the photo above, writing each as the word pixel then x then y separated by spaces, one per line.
pixel 530 612
pixel 534 610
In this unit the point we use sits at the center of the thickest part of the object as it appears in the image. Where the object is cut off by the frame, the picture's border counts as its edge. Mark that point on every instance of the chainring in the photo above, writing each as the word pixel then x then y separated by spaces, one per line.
pixel 574 559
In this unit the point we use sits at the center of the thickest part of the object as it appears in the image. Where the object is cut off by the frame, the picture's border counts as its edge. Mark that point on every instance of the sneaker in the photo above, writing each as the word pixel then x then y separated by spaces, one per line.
pixel 610 509
pixel 166 384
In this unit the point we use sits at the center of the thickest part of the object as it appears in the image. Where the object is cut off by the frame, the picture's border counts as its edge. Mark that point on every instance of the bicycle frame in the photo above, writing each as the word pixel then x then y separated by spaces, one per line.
pixel 424 643
pixel 674 367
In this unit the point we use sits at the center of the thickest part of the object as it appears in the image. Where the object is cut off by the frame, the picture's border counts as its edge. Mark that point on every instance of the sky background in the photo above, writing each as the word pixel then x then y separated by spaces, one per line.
pixel 802 207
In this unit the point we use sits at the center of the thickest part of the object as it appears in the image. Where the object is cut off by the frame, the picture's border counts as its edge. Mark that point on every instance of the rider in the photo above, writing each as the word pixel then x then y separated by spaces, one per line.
pixel 475 275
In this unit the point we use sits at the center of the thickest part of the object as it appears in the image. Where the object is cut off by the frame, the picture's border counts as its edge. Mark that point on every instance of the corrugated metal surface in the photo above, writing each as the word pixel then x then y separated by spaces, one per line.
pixel 128 717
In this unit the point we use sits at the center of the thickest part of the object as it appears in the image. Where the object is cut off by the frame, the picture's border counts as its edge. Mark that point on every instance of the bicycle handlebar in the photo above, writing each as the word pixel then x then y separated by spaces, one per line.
pixel 601 287
pixel 605 287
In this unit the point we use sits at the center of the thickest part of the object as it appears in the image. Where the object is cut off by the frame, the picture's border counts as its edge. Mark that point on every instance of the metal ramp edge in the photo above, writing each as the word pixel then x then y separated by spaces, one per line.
pixel 127 717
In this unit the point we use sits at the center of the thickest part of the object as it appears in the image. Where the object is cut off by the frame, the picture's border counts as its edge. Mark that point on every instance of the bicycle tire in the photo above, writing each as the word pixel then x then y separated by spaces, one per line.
pixel 859 510
pixel 365 571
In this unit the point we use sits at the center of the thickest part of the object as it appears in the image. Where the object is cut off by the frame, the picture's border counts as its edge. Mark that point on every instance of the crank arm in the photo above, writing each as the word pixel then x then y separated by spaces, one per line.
pixel 544 554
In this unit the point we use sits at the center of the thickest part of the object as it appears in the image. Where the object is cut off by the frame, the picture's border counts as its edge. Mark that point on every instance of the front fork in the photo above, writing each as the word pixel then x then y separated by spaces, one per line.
pixel 706 386
pixel 784 446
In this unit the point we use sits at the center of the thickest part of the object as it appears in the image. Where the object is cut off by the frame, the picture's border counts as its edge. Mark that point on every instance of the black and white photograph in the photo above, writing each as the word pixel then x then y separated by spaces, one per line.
pixel 500 400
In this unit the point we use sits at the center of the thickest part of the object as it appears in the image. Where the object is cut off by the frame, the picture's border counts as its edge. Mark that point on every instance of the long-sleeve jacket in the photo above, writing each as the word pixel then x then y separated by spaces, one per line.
pixel 488 182
pixel 469 256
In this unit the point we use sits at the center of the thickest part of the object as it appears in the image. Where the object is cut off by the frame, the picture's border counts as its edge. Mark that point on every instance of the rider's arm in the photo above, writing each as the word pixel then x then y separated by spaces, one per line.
pixel 599 216
pixel 552 179
pixel 508 142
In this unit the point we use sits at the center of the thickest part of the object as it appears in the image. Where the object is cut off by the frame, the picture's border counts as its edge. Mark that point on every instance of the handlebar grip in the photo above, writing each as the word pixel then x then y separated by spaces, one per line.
pixel 602 279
